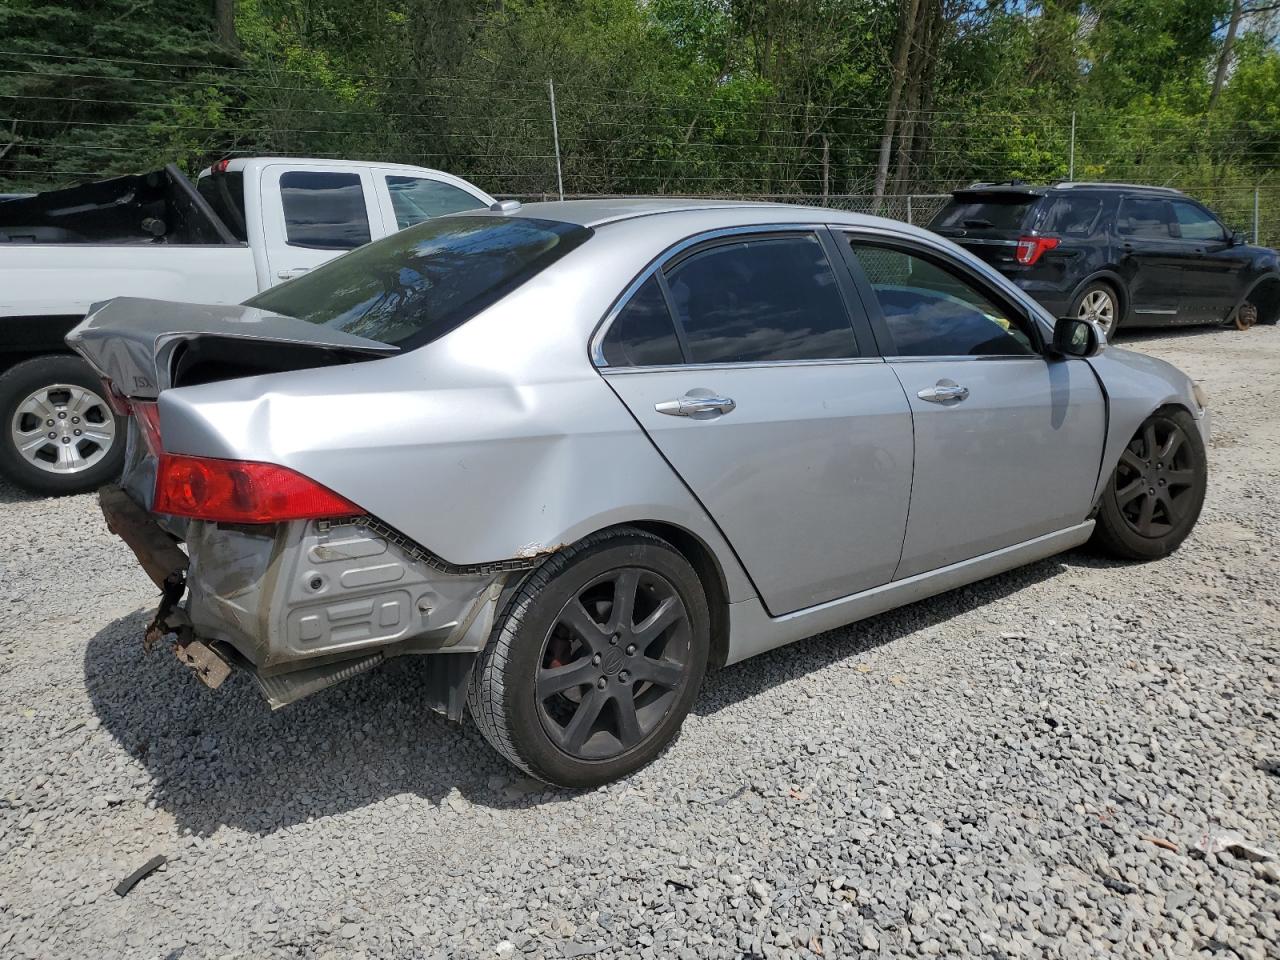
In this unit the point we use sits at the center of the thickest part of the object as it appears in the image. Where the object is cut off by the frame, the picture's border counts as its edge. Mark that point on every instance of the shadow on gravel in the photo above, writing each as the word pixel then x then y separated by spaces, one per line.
pixel 761 673
pixel 223 757
pixel 11 494
pixel 1128 332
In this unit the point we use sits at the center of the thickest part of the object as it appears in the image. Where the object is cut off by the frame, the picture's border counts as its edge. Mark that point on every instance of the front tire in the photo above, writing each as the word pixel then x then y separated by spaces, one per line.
pixel 1155 495
pixel 595 663
pixel 58 435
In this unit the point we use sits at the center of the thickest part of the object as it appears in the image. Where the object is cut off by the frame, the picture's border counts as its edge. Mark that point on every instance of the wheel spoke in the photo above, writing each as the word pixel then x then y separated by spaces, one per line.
pixel 1149 440
pixel 662 673
pixel 624 599
pixel 38 405
pixel 37 441
pixel 575 617
pixel 1180 478
pixel 99 436
pixel 1125 495
pixel 1171 446
pixel 553 680
pixel 1132 460
pixel 582 724
pixel 1146 513
pixel 670 611
pixel 629 732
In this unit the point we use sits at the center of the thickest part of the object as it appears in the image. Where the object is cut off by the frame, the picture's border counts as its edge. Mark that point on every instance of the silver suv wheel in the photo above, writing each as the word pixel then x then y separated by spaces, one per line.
pixel 63 428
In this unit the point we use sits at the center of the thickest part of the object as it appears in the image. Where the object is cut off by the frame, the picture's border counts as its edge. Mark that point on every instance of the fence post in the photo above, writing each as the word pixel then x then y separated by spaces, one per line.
pixel 1255 214
pixel 1071 163
pixel 909 220
pixel 555 135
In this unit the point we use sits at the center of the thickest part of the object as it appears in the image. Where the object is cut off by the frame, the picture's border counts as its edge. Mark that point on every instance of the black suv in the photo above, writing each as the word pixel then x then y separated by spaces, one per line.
pixel 1115 252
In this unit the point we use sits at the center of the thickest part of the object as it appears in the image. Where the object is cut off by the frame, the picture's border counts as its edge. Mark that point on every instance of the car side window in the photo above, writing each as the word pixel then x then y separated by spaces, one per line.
pixel 415 199
pixel 1197 223
pixel 1072 216
pixel 324 210
pixel 766 299
pixel 1144 217
pixel 643 333
pixel 932 312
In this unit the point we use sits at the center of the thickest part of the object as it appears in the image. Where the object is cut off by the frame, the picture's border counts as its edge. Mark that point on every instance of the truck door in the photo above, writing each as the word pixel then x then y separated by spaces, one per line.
pixel 313 214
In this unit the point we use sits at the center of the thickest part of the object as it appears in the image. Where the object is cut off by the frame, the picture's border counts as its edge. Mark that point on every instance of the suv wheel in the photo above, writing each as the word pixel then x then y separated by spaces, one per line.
pixel 1097 302
pixel 596 661
pixel 57 433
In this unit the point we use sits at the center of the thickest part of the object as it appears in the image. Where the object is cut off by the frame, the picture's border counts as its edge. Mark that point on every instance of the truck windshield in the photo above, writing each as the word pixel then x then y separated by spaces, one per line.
pixel 416 285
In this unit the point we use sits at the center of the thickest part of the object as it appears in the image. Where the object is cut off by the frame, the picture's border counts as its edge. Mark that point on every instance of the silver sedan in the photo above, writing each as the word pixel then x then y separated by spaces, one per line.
pixel 578 453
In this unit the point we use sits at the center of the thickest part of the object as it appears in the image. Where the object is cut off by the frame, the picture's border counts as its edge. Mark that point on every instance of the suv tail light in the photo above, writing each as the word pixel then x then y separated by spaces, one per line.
pixel 1030 249
pixel 242 491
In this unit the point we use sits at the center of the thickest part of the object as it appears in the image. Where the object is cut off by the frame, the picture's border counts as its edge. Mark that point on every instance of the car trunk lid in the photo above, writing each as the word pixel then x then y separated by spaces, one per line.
pixel 142 347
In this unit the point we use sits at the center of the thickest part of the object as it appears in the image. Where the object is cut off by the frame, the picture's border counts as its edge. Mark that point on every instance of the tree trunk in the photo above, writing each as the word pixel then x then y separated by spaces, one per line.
pixel 921 50
pixel 897 80
pixel 1224 58
pixel 224 15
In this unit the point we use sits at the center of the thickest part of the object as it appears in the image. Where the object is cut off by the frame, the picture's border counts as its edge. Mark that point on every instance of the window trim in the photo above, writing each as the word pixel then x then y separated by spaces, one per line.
pixel 942 260
pixel 855 311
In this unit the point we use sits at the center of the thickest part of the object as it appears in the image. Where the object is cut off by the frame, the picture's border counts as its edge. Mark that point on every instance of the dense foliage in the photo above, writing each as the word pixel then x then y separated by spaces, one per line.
pixel 653 96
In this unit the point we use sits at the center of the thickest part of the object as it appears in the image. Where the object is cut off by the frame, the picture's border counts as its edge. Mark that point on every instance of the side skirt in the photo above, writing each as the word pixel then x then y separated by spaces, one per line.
pixel 752 630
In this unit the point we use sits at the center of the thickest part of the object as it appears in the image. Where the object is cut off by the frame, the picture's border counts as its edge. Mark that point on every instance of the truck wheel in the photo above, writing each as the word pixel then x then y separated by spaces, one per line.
pixel 57 433
pixel 596 661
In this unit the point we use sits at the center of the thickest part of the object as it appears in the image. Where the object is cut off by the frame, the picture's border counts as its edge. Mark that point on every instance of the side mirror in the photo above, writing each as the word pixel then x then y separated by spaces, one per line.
pixel 1077 337
pixel 1236 239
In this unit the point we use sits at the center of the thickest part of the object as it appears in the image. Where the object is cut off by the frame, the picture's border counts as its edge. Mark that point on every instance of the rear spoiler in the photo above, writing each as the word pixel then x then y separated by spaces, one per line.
pixel 134 342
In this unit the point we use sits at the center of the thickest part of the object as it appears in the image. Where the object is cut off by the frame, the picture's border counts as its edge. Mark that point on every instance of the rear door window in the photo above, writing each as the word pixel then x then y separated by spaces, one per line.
pixel 225 193
pixel 1144 217
pixel 1197 223
pixel 766 299
pixel 1072 216
pixel 324 211
pixel 414 286
pixel 415 199
pixel 991 211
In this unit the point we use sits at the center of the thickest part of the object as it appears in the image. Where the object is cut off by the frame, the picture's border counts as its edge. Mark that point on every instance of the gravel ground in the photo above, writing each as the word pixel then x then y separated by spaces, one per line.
pixel 1020 768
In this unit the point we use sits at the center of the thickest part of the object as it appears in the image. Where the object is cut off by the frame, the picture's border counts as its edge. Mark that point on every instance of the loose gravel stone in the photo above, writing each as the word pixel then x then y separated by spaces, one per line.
pixel 996 772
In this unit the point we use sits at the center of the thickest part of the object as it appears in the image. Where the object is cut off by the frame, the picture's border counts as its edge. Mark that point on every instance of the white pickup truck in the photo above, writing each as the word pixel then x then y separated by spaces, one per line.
pixel 245 225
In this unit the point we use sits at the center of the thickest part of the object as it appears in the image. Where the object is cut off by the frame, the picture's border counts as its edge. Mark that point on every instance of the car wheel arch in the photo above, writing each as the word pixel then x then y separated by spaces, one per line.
pixel 1266 286
pixel 1114 281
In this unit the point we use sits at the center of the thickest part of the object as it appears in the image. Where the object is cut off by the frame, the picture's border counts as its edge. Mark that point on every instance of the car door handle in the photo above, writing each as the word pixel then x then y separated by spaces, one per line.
pixel 290 274
pixel 944 392
pixel 700 405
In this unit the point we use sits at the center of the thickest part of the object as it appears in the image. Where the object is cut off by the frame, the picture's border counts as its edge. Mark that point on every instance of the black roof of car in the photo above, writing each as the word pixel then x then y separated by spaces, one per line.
pixel 1039 190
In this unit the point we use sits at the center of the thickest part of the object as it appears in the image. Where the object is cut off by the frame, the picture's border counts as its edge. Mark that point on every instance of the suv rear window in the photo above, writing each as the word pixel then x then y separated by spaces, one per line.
pixel 416 285
pixel 986 211
pixel 1072 216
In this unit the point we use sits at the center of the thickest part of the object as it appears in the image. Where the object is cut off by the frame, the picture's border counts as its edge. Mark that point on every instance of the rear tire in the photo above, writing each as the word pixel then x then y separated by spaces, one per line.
pixel 595 663
pixel 58 395
pixel 1099 302
pixel 1157 490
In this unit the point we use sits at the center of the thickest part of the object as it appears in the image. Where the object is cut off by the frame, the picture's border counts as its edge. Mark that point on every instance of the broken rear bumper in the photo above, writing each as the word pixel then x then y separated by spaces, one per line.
pixel 307 604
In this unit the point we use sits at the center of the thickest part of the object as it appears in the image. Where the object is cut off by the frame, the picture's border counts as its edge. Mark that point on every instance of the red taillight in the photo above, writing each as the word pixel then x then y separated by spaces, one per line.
pixel 220 166
pixel 116 400
pixel 1030 249
pixel 242 491
pixel 148 416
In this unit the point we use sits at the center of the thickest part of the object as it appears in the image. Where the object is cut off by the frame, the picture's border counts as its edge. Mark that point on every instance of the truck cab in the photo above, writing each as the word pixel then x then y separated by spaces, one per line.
pixel 246 224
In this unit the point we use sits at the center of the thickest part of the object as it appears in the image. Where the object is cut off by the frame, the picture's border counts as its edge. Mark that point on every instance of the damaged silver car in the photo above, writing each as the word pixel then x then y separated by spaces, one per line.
pixel 575 454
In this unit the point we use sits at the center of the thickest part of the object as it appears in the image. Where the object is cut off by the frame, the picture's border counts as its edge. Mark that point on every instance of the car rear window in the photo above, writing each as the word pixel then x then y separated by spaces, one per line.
pixel 1073 216
pixel 416 285
pixel 988 211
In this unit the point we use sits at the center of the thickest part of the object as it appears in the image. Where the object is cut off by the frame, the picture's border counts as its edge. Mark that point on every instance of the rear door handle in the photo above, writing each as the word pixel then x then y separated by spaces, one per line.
pixel 944 392
pixel 290 274
pixel 697 404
